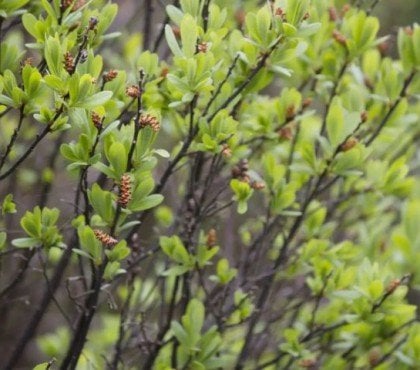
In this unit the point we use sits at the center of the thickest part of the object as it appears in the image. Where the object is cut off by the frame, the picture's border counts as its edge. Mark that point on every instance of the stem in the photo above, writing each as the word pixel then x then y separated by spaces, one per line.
pixel 13 138
pixel 40 310
pixel 91 303
pixel 37 140
pixel 121 333
pixel 402 94
pixel 162 29
pixel 148 14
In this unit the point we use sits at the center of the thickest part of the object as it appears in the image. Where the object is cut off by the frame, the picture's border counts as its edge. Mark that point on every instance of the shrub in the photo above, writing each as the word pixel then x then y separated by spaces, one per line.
pixel 243 195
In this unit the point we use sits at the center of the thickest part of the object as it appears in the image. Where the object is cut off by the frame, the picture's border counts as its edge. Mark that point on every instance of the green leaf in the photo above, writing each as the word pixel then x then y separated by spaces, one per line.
pixel 90 243
pixel 171 40
pixel 7 101
pixel 189 35
pixel 95 100
pixel 117 157
pixel 53 56
pixel 102 203
pixel 8 205
pixel 175 14
pixel 25 242
pixel 148 202
pixel 30 22
pixel 43 366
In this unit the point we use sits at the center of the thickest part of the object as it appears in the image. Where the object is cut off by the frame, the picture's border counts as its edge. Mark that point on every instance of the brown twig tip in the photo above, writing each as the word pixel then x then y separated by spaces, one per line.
pixel 240 17
pixel 345 9
pixel 177 31
pixel 69 62
pixel 350 143
pixel 164 72
pixel 364 116
pixel 240 171
pixel 93 22
pixel 394 284
pixel 105 238
pixel 133 91
pixel 257 185
pixel 27 62
pixel 408 31
pixel 96 120
pixel 110 75
pixel 125 190
pixel 290 112
pixel 306 102
pixel 149 120
pixel 332 12
pixel 226 151
pixel 211 238
pixel 74 4
pixel 281 14
pixel 202 47
pixel 374 356
pixel 286 133
pixel 339 37
pixel 307 363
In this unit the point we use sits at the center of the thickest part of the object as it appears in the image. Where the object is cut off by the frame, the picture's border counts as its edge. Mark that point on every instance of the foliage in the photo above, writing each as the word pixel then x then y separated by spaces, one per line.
pixel 241 196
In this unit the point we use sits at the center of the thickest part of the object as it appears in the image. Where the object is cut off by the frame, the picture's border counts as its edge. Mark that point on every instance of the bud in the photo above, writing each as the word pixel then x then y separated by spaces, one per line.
pixel 202 47
pixel 363 116
pixel 110 75
pixel 177 31
pixel 164 72
pixel 345 9
pixel 65 4
pixel 240 171
pixel 339 37
pixel 240 17
pixel 96 120
pixel 149 120
pixel 394 284
pixel 105 238
pixel 290 112
pixel 374 356
pixel 27 62
pixel 132 91
pixel 286 133
pixel 306 102
pixel 69 62
pixel 368 83
pixel 83 56
pixel 93 22
pixel 307 363
pixel 281 14
pixel 226 151
pixel 332 11
pixel 408 31
pixel 211 238
pixel 257 185
pixel 349 144
pixel 383 48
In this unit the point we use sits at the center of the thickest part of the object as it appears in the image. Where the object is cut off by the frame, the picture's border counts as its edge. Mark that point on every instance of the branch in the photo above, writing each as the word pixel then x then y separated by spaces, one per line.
pixel 37 140
pixel 402 94
pixel 13 138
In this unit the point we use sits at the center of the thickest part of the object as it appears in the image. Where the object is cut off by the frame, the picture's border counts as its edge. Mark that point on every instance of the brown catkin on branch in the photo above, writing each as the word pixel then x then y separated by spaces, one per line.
pixel 125 190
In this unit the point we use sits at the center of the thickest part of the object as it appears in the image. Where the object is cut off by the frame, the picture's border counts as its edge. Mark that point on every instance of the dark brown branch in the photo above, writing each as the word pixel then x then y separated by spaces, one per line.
pixel 37 140
pixel 13 138
pixel 402 94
